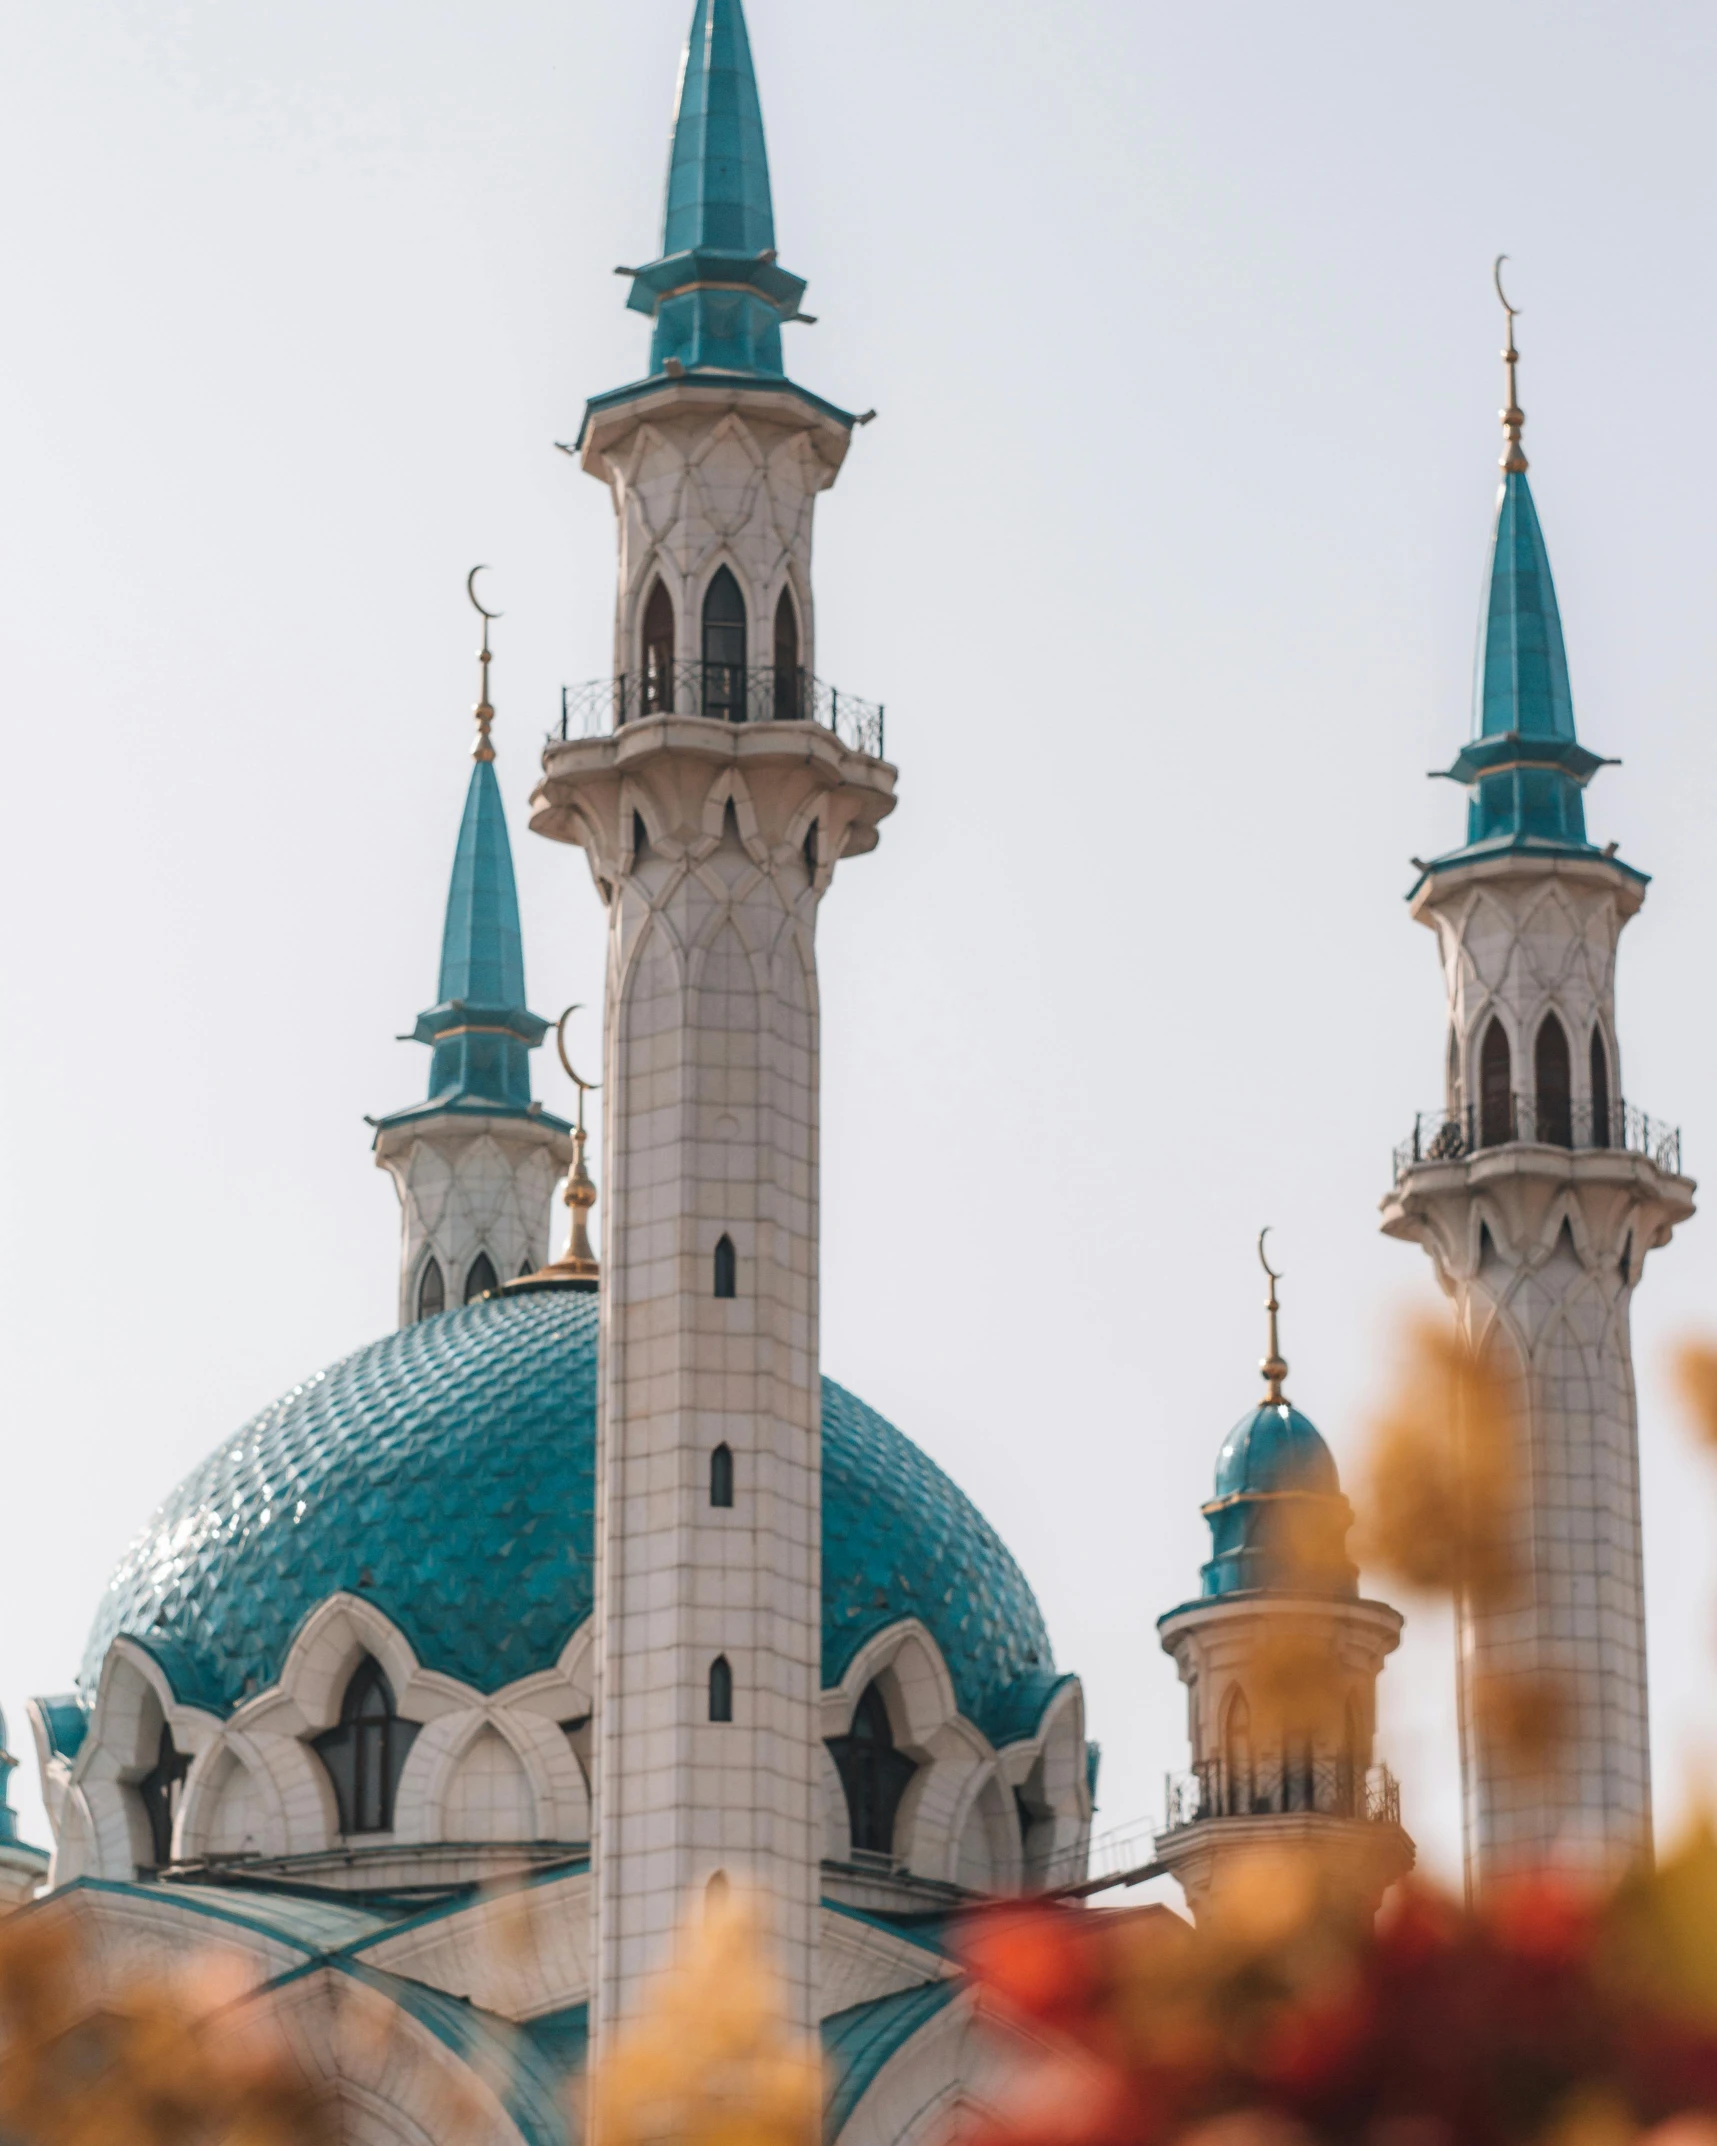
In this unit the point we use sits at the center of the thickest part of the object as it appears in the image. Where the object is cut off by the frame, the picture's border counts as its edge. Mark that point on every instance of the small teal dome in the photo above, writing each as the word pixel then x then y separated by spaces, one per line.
pixel 1278 1520
pixel 447 1474
pixel 1274 1447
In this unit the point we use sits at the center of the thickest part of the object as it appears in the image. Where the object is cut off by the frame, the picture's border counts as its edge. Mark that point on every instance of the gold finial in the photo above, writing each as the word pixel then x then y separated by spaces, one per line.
pixel 578 1263
pixel 1273 1367
pixel 1514 417
pixel 482 750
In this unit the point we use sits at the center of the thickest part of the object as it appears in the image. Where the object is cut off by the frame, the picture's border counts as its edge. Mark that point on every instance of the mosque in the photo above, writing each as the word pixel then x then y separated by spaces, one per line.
pixel 450 1680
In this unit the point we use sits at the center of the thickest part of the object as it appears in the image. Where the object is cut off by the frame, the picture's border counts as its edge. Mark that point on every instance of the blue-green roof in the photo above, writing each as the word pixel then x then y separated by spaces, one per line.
pixel 1524 768
pixel 447 1473
pixel 480 1030
pixel 717 294
pixel 858 2042
pixel 1277 1516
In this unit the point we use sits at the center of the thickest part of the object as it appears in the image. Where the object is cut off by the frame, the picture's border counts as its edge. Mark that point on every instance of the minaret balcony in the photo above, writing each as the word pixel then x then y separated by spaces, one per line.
pixel 1447 1136
pixel 722 693
pixel 1320 1787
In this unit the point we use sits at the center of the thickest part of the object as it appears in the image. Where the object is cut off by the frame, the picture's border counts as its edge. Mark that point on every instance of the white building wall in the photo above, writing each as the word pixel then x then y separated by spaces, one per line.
pixel 1540 1248
pixel 469 1185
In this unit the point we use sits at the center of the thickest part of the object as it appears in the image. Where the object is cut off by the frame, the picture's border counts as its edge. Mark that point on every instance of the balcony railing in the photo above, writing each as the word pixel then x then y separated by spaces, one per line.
pixel 1331 1787
pixel 725 693
pixel 1529 1120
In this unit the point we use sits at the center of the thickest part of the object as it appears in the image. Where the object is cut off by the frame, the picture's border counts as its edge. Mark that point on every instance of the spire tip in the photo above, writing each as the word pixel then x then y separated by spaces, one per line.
pixel 1273 1367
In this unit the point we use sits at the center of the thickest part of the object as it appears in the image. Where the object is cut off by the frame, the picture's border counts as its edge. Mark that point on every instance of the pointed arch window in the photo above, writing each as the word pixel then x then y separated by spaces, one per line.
pixel 1600 1088
pixel 1496 1087
pixel 1299 1772
pixel 1237 1758
pixel 721 1476
pixel 365 1752
pixel 159 1793
pixel 724 652
pixel 431 1289
pixel 720 1689
pixel 1352 1773
pixel 789 698
pixel 659 650
pixel 482 1280
pixel 874 1775
pixel 726 1268
pixel 1553 1079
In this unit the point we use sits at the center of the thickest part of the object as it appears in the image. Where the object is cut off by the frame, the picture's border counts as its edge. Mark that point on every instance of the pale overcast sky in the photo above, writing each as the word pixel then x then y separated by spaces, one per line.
pixel 1164 553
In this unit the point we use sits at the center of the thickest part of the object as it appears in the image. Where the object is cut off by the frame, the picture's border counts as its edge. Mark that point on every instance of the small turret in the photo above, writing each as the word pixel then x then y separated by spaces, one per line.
pixel 476 1162
pixel 1280 1657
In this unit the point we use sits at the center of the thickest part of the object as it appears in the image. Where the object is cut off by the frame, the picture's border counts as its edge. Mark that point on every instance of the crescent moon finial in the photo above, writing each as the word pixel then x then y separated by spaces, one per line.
pixel 1275 1370
pixel 1514 417
pixel 471 591
pixel 583 1086
pixel 482 750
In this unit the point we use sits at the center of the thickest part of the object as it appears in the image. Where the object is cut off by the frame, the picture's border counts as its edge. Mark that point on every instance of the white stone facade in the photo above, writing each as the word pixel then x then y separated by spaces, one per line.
pixel 712 845
pixel 471 1187
pixel 1540 1245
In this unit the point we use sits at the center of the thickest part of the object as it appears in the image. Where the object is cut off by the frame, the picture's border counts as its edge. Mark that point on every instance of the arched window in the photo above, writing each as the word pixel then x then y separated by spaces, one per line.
pixel 1496 1088
pixel 1452 1081
pixel 1600 1088
pixel 1237 1787
pixel 873 1774
pixel 726 1269
pixel 721 1476
pixel 720 1690
pixel 1299 1772
pixel 659 651
pixel 482 1278
pixel 431 1290
pixel 365 1753
pixel 1353 1758
pixel 789 701
pixel 1553 1077
pixel 159 1791
pixel 724 649
pixel 526 1270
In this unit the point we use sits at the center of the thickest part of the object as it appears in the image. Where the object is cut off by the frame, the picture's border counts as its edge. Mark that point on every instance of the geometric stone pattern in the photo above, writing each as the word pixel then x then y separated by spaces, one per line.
pixel 1540 1248
pixel 470 1184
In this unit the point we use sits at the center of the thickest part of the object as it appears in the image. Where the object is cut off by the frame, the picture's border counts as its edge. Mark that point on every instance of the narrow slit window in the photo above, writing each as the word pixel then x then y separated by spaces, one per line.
pixel 1601 1133
pixel 789 700
pixel 431 1289
pixel 659 651
pixel 482 1279
pixel 721 1476
pixel 720 1690
pixel 726 1269
pixel 1496 1088
pixel 1553 1078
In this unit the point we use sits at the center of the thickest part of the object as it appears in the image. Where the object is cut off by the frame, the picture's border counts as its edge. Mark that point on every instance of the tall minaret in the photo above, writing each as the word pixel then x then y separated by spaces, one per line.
pixel 476 1164
pixel 714 813
pixel 1537 1190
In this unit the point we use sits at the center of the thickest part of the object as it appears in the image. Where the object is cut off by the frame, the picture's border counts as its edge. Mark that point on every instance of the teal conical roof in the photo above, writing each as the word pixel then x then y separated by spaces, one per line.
pixel 1524 768
pixel 480 1029
pixel 717 295
pixel 718 168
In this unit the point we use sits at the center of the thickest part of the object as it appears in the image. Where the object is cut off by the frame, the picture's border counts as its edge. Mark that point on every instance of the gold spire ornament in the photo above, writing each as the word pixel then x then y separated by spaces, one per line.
pixel 485 714
pixel 1273 1367
pixel 1514 417
pixel 578 1266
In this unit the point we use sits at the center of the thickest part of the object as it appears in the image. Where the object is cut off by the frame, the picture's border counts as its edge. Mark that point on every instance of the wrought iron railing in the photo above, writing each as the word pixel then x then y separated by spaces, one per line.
pixel 1331 1787
pixel 1529 1120
pixel 725 693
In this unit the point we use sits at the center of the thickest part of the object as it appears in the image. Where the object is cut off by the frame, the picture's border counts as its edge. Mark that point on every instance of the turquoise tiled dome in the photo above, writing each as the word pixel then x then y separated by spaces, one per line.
pixel 1274 1447
pixel 447 1472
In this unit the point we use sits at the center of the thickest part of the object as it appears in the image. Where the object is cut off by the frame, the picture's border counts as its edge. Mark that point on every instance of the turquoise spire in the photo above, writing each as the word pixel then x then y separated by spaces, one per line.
pixel 1524 767
pixel 716 295
pixel 480 1030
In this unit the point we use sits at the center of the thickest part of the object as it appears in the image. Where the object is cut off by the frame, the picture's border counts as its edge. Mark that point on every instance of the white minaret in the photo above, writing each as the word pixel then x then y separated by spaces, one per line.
pixel 1280 1656
pixel 714 812
pixel 1538 1191
pixel 476 1164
